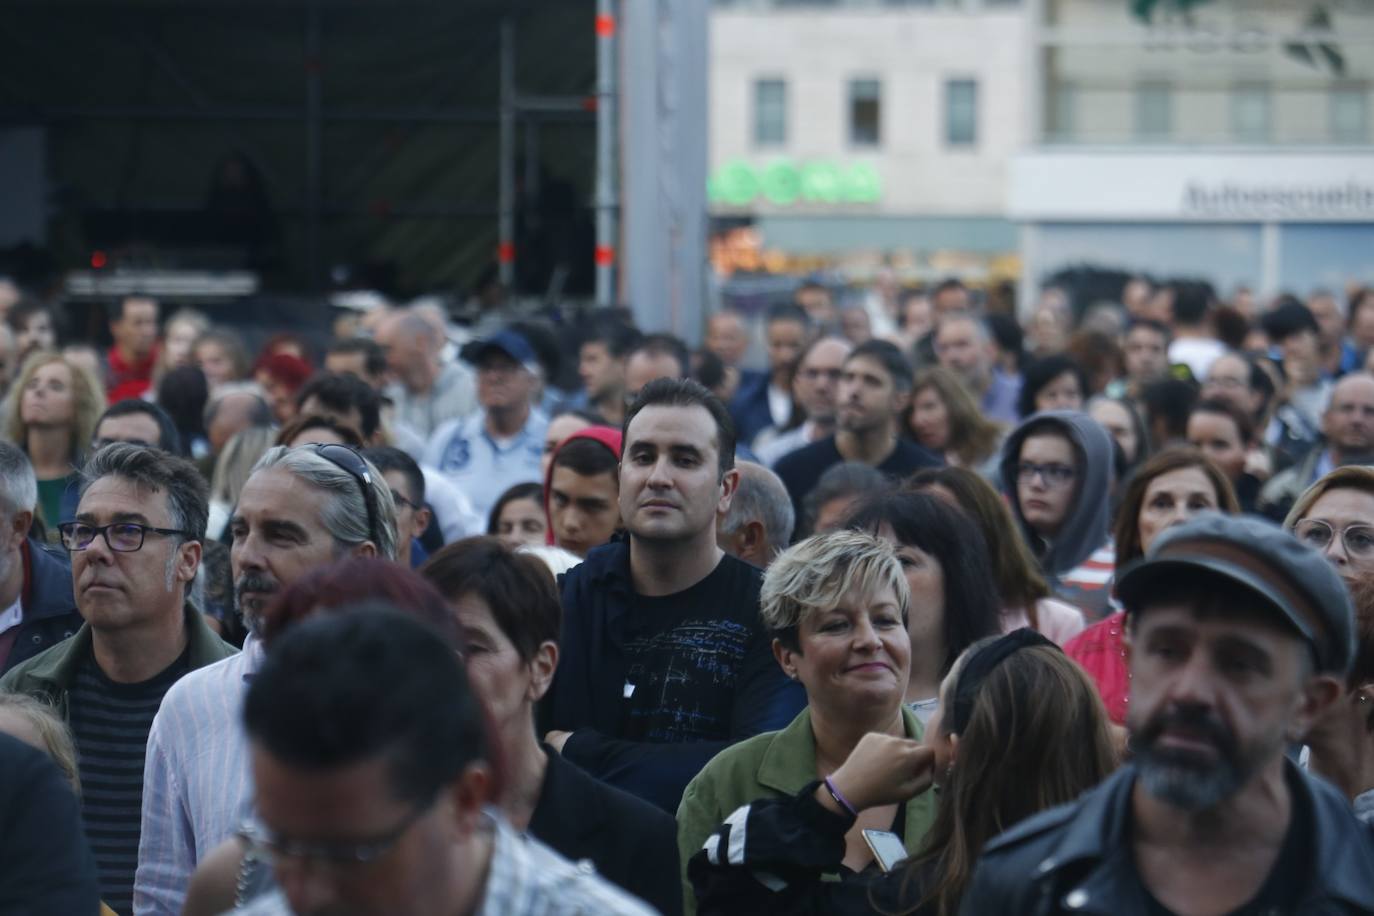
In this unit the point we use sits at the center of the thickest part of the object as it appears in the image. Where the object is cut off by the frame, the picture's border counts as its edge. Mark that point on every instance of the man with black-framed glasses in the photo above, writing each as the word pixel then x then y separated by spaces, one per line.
pixel 135 546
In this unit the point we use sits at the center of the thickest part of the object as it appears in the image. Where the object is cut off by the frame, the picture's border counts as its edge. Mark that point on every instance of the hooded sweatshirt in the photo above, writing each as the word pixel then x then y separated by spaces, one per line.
pixel 606 435
pixel 1085 528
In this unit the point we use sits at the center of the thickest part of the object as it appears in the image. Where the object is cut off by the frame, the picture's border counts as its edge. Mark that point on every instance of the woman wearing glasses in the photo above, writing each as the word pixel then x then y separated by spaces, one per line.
pixel 1336 516
pixel 1057 473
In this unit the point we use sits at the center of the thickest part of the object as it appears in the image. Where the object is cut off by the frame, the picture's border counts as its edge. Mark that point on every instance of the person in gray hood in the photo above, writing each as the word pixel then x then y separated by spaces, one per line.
pixel 1057 474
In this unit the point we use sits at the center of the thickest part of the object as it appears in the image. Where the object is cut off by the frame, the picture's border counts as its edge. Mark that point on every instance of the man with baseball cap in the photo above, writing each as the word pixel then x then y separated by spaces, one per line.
pixel 499 444
pixel 1238 638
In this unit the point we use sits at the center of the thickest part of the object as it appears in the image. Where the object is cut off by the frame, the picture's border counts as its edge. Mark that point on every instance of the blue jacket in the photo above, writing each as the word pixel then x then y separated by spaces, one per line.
pixel 749 406
pixel 588 695
pixel 50 613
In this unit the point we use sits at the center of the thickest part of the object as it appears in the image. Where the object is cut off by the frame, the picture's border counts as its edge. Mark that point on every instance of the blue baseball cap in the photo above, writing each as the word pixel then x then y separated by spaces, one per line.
pixel 506 342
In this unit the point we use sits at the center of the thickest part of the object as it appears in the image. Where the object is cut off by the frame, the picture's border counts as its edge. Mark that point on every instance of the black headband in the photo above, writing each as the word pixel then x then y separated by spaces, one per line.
pixel 980 664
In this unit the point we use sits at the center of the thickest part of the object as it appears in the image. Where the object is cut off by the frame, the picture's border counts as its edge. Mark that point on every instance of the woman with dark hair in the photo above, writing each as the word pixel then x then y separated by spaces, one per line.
pixel 1057 471
pixel 1120 418
pixel 946 419
pixel 953 600
pixel 1052 383
pixel 517 517
pixel 508 607
pixel 312 429
pixel 1020 730
pixel 1024 593
pixel 1169 489
pixel 183 392
pixel 1226 434
pixel 34 327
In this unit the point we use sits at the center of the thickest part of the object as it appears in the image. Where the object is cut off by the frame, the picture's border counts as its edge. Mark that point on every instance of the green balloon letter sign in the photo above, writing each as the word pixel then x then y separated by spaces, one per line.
pixel 783 183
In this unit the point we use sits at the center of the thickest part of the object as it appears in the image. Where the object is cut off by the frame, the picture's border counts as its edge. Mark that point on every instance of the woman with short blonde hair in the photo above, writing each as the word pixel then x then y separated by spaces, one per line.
pixel 836 606
pixel 37 724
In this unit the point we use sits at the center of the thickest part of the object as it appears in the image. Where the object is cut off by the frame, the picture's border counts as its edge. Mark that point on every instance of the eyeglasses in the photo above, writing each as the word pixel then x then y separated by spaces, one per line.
pixel 347 459
pixel 121 537
pixel 275 849
pixel 1051 475
pixel 1358 540
pixel 400 500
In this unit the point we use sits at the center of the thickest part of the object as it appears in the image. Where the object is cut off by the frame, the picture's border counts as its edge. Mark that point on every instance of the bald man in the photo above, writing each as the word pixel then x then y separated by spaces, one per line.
pixel 426 391
pixel 1347 438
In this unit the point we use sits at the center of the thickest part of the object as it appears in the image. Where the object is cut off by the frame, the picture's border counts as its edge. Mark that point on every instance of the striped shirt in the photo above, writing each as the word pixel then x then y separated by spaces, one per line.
pixel 110 722
pixel 197 788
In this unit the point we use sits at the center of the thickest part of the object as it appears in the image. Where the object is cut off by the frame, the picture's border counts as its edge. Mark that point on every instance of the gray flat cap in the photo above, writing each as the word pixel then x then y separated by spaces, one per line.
pixel 1291 577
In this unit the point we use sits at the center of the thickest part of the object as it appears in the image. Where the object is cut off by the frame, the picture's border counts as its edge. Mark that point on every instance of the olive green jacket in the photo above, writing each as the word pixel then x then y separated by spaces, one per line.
pixel 767 766
pixel 49 676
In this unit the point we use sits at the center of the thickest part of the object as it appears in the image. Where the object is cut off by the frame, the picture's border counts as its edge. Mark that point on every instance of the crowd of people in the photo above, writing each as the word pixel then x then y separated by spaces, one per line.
pixel 878 604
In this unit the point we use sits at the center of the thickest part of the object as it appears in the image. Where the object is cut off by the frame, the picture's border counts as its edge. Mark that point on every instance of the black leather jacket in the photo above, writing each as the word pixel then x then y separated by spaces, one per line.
pixel 1077 858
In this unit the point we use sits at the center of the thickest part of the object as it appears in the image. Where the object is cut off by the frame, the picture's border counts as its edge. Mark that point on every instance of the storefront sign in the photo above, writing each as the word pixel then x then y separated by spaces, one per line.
pixel 1109 186
pixel 784 183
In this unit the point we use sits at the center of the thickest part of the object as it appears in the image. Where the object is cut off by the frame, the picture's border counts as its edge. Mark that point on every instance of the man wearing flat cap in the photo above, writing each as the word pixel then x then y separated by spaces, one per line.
pixel 500 444
pixel 1238 638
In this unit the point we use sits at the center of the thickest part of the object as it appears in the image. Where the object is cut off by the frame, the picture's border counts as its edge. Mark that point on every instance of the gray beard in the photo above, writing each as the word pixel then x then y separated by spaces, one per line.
pixel 1188 787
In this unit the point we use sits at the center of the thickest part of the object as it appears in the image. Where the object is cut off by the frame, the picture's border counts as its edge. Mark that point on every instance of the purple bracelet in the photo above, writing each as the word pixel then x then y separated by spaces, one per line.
pixel 839 799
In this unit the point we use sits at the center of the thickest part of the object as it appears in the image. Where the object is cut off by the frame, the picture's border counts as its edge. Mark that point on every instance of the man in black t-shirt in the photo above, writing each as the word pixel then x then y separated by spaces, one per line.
pixel 875 388
pixel 664 660
pixel 1238 639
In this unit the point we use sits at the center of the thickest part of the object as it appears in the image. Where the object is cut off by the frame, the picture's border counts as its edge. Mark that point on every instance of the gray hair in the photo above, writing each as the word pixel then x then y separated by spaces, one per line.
pixel 188 496
pixel 236 461
pixel 761 497
pixel 18 485
pixel 345 518
pixel 262 413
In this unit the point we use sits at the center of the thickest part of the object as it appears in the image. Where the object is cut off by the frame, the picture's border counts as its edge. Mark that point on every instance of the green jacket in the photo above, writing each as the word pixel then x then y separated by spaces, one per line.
pixel 764 766
pixel 50 675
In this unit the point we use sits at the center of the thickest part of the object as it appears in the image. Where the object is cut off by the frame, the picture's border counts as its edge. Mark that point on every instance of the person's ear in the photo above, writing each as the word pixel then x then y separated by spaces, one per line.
pixel 468 795
pixel 20 523
pixel 1319 694
pixel 752 542
pixel 422 517
pixel 542 666
pixel 188 561
pixel 953 748
pixel 365 549
pixel 729 485
pixel 786 658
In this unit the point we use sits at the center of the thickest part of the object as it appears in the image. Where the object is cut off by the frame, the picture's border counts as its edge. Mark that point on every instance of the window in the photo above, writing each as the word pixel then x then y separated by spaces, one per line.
pixel 1063 110
pixel 1349 117
pixel 1250 113
pixel 865 112
pixel 1154 110
pixel 961 112
pixel 770 112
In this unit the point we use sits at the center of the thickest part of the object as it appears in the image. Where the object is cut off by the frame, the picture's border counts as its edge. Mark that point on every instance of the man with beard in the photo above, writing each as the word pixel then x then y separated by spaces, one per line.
pixel 1238 640
pixel 301 508
pixel 875 386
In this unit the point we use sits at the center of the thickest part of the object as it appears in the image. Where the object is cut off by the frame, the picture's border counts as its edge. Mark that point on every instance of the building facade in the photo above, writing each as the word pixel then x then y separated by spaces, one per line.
pixel 868 135
pixel 1222 139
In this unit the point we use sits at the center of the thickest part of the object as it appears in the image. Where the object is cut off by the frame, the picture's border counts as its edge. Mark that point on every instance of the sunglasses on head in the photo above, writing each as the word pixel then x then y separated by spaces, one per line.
pixel 346 458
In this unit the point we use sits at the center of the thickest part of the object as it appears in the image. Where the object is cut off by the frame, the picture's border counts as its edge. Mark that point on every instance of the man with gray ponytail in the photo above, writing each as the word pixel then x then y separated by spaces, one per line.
pixel 36 607
pixel 301 508
pixel 135 545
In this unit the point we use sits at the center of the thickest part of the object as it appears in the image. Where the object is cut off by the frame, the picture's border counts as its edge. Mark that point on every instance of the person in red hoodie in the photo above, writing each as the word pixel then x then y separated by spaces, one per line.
pixel 582 489
pixel 129 364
